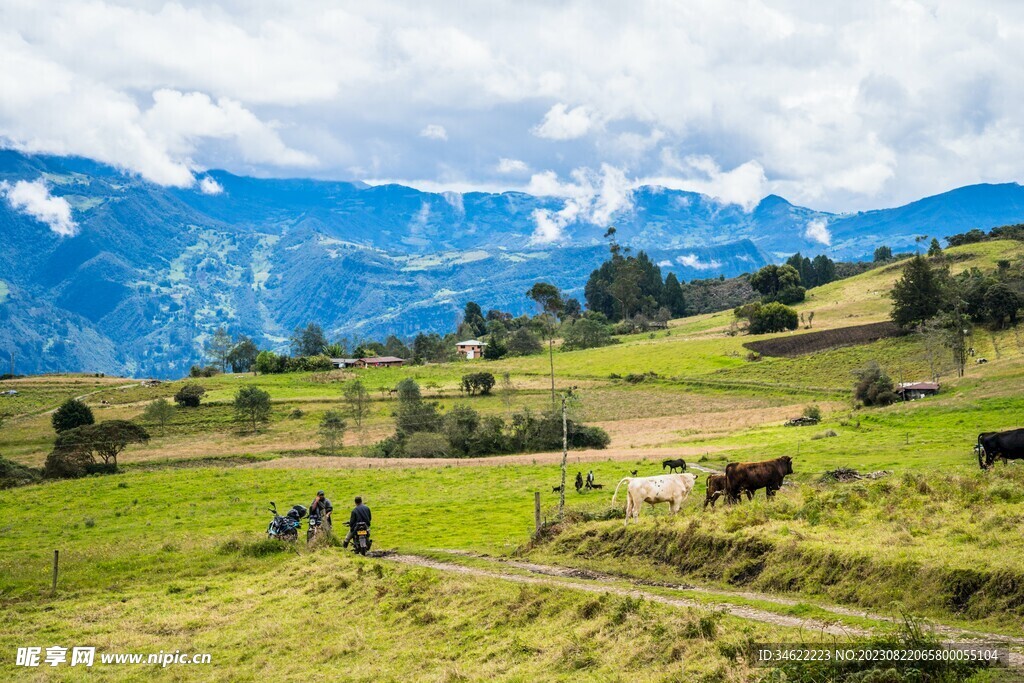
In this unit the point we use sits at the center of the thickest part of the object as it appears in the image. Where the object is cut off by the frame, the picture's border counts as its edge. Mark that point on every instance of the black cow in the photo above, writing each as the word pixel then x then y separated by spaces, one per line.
pixel 1008 445
pixel 748 477
pixel 673 464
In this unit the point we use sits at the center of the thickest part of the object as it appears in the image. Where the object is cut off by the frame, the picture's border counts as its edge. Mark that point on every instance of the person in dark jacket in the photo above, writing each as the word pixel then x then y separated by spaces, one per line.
pixel 321 507
pixel 360 513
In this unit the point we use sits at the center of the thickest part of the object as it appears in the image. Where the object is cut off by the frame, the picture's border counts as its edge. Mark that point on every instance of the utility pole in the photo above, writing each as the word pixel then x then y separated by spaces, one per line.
pixel 565 448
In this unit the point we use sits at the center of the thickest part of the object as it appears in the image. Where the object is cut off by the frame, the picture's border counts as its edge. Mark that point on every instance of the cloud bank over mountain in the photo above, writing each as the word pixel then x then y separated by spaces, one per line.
pixel 839 108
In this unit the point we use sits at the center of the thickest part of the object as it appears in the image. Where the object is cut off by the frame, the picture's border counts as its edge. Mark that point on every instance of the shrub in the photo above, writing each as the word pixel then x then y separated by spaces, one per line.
pixel 773 317
pixel 252 406
pixel 426 445
pixel 586 333
pixel 189 395
pixel 812 411
pixel 481 382
pixel 522 342
pixel 269 363
pixel 208 371
pixel 15 474
pixel 874 387
pixel 72 413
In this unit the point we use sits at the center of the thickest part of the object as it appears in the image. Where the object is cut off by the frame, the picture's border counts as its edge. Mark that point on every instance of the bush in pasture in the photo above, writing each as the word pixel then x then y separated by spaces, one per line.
pixel 773 317
pixel 199 371
pixel 189 395
pixel 74 452
pixel 316 363
pixel 813 411
pixel 296 414
pixel 477 382
pixel 72 413
pixel 586 333
pixel 15 474
pixel 426 445
pixel 874 387
pixel 269 363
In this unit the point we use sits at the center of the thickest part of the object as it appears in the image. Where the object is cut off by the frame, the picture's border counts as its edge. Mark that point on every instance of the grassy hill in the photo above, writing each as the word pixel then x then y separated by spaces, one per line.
pixel 167 554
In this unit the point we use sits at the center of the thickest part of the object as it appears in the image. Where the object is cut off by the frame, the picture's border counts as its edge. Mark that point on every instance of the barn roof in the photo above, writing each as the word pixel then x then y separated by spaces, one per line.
pixel 918 386
pixel 383 359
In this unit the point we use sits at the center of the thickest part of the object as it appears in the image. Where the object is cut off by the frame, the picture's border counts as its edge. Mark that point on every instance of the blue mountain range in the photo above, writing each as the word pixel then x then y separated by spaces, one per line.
pixel 153 271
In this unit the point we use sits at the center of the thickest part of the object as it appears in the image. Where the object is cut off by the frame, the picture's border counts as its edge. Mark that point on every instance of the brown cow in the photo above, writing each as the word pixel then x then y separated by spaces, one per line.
pixel 716 489
pixel 748 477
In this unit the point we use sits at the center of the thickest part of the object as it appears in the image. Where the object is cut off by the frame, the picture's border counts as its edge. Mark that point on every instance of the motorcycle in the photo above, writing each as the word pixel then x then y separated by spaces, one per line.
pixel 286 527
pixel 361 540
pixel 316 526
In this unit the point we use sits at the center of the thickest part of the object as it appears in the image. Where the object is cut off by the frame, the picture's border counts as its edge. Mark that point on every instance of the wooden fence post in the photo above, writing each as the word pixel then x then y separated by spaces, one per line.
pixel 536 511
pixel 56 555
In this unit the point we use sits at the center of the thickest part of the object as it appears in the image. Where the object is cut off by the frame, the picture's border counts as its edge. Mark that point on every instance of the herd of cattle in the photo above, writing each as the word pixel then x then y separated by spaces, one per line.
pixel 740 478
pixel 747 477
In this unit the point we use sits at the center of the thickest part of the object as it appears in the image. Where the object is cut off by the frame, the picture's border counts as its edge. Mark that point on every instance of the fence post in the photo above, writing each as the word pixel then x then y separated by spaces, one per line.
pixel 56 555
pixel 536 511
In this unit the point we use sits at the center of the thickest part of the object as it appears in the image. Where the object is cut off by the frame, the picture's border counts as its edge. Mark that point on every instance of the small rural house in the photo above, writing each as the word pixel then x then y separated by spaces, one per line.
pixel 911 391
pixel 471 349
pixel 381 362
pixel 342 363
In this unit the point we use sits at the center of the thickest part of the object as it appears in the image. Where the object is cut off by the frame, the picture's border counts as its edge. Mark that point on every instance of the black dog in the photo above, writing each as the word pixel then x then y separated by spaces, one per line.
pixel 633 472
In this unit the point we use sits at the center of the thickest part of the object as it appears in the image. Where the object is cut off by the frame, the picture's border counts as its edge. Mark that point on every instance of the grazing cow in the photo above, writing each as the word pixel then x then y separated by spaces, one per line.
pixel 748 477
pixel 597 486
pixel 556 489
pixel 664 488
pixel 673 464
pixel 716 489
pixel 981 361
pixel 1008 445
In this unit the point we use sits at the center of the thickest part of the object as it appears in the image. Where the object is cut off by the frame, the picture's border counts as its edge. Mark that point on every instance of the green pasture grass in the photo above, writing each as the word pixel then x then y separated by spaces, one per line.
pixel 317 614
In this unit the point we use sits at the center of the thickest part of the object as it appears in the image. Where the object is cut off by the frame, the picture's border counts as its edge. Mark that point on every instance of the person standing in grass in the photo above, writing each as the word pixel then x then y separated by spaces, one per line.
pixel 321 507
pixel 360 513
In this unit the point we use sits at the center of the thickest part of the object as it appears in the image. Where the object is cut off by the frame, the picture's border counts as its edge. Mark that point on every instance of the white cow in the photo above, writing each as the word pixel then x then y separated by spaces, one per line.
pixel 665 488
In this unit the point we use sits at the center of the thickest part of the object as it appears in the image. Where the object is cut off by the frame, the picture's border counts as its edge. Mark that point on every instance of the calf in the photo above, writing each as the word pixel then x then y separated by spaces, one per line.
pixel 748 477
pixel 665 488
pixel 673 464
pixel 716 489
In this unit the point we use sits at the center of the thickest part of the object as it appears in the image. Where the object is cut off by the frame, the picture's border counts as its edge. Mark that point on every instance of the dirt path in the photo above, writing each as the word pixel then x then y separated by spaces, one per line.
pixel 90 393
pixel 575 457
pixel 596 582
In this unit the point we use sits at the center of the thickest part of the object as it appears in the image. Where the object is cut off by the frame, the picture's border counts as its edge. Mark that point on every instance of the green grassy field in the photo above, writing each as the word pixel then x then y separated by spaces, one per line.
pixel 167 554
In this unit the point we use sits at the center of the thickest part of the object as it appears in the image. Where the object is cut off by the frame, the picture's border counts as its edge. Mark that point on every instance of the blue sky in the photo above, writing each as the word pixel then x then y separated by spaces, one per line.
pixel 837 106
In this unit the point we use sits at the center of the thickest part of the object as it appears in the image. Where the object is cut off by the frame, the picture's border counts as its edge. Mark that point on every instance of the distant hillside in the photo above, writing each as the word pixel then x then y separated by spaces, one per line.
pixel 153 271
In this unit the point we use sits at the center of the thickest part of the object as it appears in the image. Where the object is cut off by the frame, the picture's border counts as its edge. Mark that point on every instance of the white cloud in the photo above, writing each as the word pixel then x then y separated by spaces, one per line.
pixel 817 230
pixel 34 198
pixel 665 264
pixel 433 131
pixel 210 186
pixel 562 123
pixel 592 196
pixel 693 261
pixel 512 166
pixel 876 103
pixel 745 185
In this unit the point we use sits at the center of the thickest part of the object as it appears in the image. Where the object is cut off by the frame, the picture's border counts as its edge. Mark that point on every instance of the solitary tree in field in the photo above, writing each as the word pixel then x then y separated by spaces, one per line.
pixel 159 412
pixel 358 400
pixel 189 395
pixel 547 297
pixel 332 431
pixel 72 413
pixel 507 391
pixel 252 406
pixel 242 357
pixel 219 348
pixel 73 450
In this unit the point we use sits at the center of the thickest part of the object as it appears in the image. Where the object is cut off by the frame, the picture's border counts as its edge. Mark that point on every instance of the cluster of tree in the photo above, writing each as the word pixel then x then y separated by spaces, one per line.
pixel 815 272
pixel 627 285
pixel 1004 232
pixel 421 430
pixel 778 283
pixel 270 363
pixel 85 447
pixel 239 354
pixel 928 299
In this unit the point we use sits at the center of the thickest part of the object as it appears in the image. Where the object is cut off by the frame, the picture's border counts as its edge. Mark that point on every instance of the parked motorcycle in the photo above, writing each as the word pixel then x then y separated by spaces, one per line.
pixel 286 527
pixel 361 540
pixel 316 526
